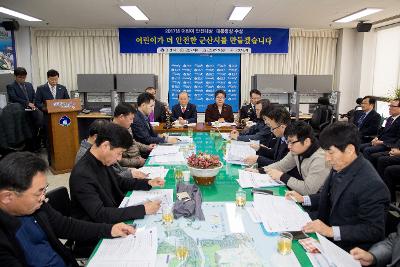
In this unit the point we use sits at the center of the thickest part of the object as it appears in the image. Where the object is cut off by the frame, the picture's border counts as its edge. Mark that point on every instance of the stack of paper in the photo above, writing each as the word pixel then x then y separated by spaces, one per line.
pixel 168 159
pixel 184 139
pixel 164 150
pixel 222 124
pixel 252 179
pixel 279 214
pixel 140 197
pixel 237 151
pixel 154 172
pixel 136 250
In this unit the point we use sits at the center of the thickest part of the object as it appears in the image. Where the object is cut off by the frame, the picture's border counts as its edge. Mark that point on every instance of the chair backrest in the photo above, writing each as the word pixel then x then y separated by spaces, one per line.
pixel 59 200
pixel 321 116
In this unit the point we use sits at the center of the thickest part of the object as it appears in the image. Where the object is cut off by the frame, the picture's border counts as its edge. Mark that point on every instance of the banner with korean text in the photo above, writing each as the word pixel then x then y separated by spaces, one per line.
pixel 204 40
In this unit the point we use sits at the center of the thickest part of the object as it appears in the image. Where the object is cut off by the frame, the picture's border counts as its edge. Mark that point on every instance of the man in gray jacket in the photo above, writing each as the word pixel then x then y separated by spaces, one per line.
pixel 306 155
pixel 384 253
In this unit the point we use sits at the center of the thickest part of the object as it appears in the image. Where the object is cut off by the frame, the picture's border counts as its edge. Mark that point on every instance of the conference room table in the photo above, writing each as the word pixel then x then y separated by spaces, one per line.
pixel 225 186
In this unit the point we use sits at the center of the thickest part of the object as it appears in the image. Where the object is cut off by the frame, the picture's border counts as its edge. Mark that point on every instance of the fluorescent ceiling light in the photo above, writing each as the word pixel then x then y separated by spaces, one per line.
pixel 359 14
pixel 239 12
pixel 134 12
pixel 17 14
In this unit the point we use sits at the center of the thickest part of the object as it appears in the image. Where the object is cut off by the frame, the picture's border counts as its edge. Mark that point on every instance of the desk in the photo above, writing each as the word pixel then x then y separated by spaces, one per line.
pixel 200 127
pixel 225 187
pixel 84 121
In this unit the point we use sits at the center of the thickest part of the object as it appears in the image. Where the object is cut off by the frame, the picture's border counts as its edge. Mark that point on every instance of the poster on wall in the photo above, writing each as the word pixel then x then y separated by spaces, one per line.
pixel 7 51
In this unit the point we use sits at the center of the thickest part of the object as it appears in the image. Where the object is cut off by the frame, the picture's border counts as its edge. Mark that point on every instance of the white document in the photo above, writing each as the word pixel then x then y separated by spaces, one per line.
pixel 335 255
pixel 184 139
pixel 154 123
pixel 154 172
pixel 222 124
pixel 255 217
pixel 140 197
pixel 238 151
pixel 164 150
pixel 279 214
pixel 138 250
pixel 172 159
pixel 255 180
pixel 226 136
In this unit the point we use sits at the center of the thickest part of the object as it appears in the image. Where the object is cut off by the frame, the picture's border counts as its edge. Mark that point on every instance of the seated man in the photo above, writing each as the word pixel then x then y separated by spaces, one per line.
pixel 184 112
pixel 382 160
pixel 50 90
pixel 353 201
pixel 86 144
pixel 368 121
pixel 306 155
pixel 123 116
pixel 158 114
pixel 389 135
pixel 219 111
pixel 29 228
pixel 22 92
pixel 249 111
pixel 96 190
pixel 277 119
pixel 142 130
pixel 260 131
pixel 384 253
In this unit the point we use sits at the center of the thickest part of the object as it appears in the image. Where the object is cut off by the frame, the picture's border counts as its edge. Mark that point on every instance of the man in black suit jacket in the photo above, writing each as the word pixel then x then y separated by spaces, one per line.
pixel 184 112
pixel 21 91
pixel 50 90
pixel 30 228
pixel 249 111
pixel 142 131
pixel 353 201
pixel 388 136
pixel 159 112
pixel 368 121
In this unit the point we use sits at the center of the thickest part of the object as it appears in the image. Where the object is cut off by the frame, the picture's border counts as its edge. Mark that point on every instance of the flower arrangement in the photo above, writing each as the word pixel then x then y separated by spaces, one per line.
pixel 203 161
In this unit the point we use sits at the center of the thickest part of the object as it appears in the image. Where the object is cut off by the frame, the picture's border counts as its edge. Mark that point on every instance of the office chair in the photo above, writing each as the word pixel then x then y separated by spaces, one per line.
pixel 59 200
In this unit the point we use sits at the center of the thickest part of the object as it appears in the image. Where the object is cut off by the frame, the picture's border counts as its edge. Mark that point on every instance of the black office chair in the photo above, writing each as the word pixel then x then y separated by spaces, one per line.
pixel 322 116
pixel 59 200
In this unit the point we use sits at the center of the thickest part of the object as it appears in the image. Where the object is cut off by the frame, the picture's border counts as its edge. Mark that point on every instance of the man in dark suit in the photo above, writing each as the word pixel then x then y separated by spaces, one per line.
pixel 249 111
pixel 50 90
pixel 142 131
pixel 184 112
pixel 219 111
pixel 277 119
pixel 353 201
pixel 29 227
pixel 160 108
pixel 22 92
pixel 388 136
pixel 368 121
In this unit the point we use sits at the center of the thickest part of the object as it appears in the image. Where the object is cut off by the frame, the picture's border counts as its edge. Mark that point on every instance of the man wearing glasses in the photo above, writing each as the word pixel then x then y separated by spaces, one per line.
pixel 389 134
pixel 29 227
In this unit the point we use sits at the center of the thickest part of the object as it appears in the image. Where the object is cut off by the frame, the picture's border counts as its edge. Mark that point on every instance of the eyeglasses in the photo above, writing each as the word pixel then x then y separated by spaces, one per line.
pixel 291 142
pixel 272 129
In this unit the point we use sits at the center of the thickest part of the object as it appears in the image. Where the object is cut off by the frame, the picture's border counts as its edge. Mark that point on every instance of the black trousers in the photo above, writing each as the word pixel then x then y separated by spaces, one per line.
pixel 392 178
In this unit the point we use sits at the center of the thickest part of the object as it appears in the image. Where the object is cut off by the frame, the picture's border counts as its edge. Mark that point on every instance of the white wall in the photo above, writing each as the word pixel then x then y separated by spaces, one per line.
pixel 23 50
pixel 355 66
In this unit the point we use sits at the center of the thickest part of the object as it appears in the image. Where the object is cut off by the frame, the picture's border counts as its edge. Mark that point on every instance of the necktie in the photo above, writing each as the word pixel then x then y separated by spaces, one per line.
pixel 360 120
pixel 151 116
pixel 24 91
pixel 183 110
pixel 53 91
pixel 389 122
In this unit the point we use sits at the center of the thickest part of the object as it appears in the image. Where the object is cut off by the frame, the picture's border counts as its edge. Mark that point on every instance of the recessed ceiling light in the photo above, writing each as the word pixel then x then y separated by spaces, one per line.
pixel 240 12
pixel 17 14
pixel 134 12
pixel 359 14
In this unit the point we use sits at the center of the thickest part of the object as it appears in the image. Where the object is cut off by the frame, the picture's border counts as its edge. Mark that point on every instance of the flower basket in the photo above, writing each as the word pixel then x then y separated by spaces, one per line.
pixel 204 168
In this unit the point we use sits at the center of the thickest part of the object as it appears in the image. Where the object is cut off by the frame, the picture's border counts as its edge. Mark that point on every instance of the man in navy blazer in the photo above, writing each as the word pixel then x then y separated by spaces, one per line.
pixel 50 90
pixel 353 202
pixel 388 136
pixel 368 121
pixel 184 112
pixel 21 91
pixel 141 128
